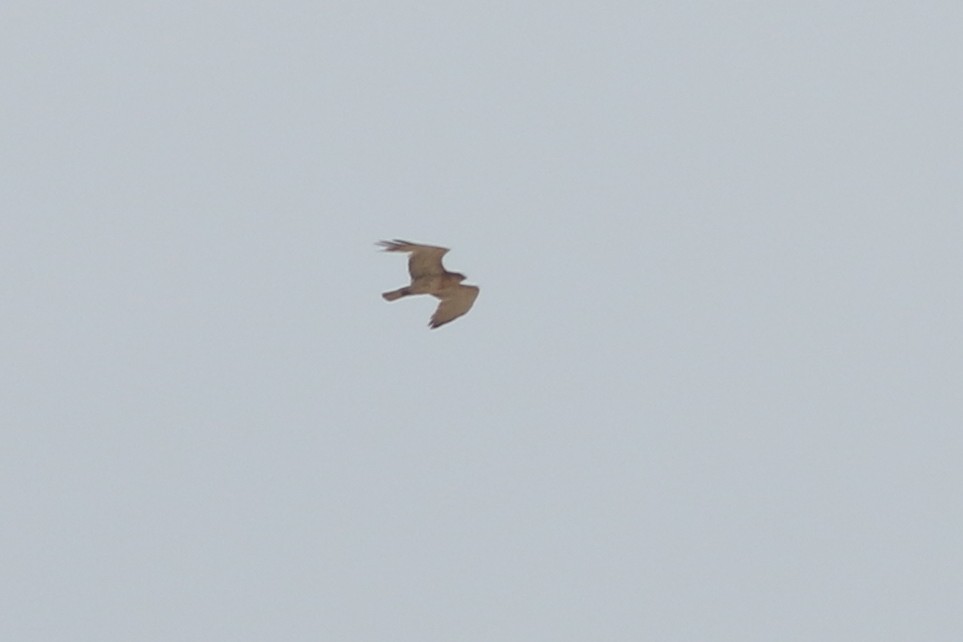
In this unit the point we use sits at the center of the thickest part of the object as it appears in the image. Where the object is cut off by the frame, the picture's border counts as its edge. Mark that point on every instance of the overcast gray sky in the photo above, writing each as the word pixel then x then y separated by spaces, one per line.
pixel 710 389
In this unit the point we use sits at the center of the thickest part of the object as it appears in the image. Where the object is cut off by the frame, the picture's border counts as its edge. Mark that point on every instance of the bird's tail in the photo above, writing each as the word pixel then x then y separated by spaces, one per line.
pixel 394 295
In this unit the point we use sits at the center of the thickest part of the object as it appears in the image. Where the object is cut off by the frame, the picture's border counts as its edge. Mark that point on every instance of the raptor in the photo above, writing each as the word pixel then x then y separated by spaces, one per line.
pixel 429 276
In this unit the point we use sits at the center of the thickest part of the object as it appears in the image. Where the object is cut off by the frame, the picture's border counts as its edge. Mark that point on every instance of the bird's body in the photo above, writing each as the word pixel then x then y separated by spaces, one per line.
pixel 429 276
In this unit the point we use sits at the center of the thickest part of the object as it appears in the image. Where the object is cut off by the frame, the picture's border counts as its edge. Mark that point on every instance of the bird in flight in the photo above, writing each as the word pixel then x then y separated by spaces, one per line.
pixel 429 276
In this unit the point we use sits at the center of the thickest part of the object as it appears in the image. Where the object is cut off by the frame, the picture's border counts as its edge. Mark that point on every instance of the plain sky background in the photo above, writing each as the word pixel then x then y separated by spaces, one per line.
pixel 711 389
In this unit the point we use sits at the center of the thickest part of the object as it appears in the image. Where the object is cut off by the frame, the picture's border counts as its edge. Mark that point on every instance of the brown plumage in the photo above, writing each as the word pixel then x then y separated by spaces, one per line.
pixel 429 276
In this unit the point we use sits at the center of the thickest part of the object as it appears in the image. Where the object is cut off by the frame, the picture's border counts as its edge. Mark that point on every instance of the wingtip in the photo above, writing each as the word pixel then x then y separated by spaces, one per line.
pixel 393 245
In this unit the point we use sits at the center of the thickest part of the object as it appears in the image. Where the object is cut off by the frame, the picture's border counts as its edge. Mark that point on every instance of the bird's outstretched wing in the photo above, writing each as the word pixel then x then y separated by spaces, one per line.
pixel 455 301
pixel 425 260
